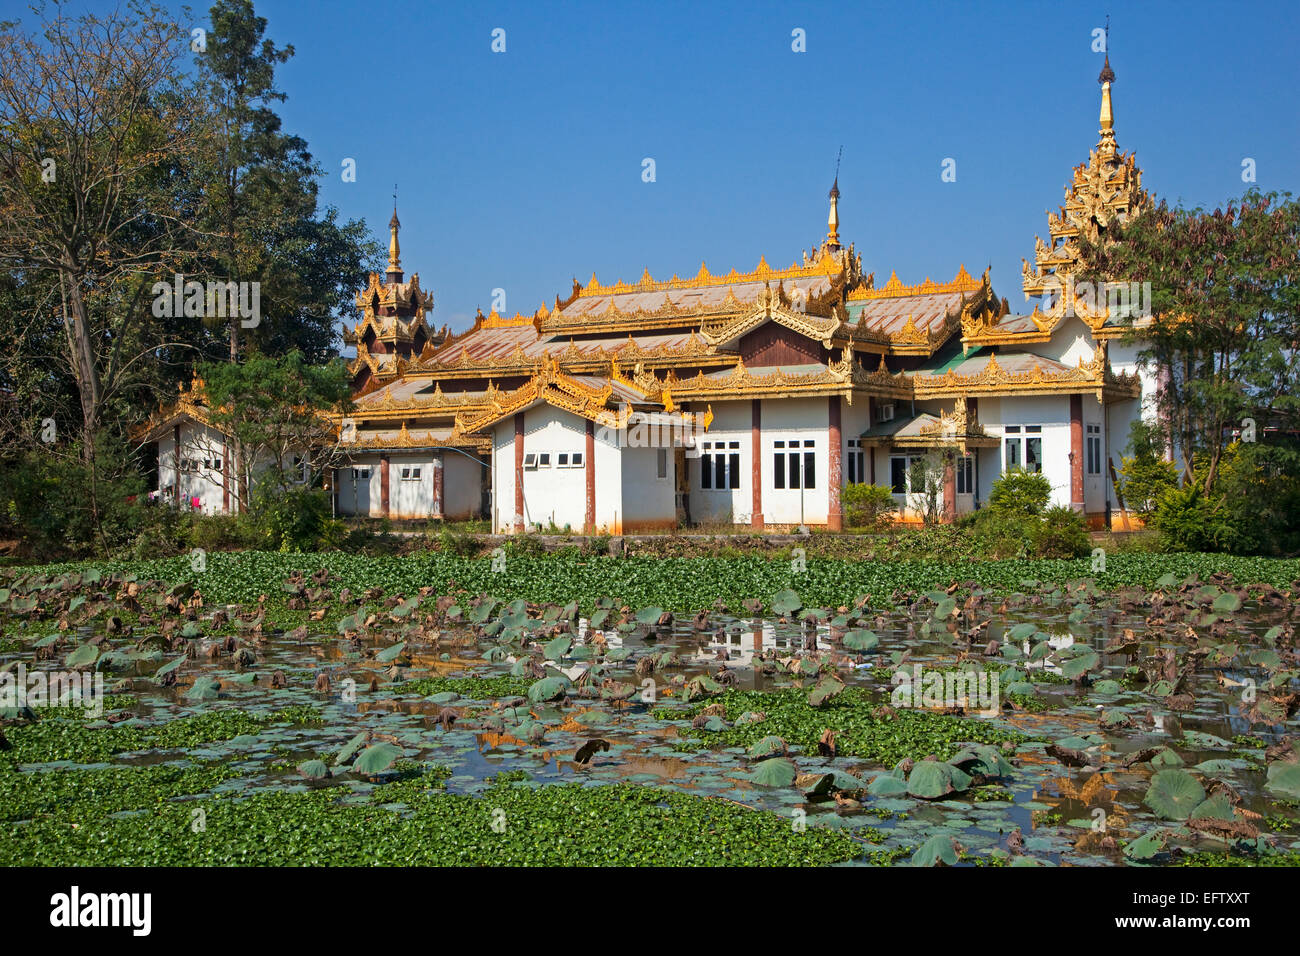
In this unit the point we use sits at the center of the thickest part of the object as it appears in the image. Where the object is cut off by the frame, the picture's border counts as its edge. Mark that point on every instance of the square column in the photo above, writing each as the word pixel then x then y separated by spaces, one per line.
pixel 949 489
pixel 519 471
pixel 438 508
pixel 835 473
pixel 383 484
pixel 756 469
pixel 589 469
pixel 1076 452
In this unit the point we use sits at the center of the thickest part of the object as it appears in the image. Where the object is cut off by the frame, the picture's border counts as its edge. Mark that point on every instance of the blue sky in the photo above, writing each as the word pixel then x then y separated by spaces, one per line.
pixel 522 170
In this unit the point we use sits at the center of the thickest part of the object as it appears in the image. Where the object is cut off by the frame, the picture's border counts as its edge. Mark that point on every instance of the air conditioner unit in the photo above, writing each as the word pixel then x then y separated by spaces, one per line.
pixel 886 413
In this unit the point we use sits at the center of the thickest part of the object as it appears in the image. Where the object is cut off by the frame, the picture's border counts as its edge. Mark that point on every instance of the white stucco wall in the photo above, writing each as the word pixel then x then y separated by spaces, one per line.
pixel 648 500
pixel 462 486
pixel 797 420
pixel 1052 413
pixel 554 495
pixel 199 445
pixel 732 421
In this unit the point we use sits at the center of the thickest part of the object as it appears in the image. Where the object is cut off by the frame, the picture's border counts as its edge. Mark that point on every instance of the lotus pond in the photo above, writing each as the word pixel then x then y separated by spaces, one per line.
pixel 322 710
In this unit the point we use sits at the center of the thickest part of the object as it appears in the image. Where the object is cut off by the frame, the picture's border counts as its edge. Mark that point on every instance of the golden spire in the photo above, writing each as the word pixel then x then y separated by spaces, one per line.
pixel 833 221
pixel 1106 78
pixel 394 250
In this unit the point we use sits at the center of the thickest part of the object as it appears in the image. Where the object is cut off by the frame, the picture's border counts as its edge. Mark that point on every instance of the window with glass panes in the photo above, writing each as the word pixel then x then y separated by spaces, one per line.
pixel 1024 447
pixel 966 475
pixel 900 469
pixel 854 461
pixel 794 463
pixel 719 465
pixel 1094 449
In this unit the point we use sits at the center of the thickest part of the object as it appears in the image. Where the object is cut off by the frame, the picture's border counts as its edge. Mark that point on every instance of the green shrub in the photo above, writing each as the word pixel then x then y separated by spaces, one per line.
pixel 1062 533
pixel 1145 475
pixel 290 520
pixel 1188 521
pixel 1005 534
pixel 868 507
pixel 1020 492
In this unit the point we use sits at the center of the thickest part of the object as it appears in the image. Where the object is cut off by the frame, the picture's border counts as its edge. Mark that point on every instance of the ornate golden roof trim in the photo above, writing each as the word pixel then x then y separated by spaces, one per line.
pixel 894 288
pixel 825 265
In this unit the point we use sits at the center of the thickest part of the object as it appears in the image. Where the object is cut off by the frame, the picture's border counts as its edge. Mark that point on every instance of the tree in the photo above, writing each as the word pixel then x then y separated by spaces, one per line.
pixel 273 410
pixel 1225 315
pixel 1146 473
pixel 259 201
pixel 96 118
pixel 925 486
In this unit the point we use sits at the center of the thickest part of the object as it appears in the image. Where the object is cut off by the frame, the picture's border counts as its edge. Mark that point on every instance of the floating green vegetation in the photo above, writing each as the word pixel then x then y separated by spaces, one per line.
pixel 1210 858
pixel 69 738
pixel 412 823
pixel 83 795
pixel 677 584
pixel 473 688
pixel 885 739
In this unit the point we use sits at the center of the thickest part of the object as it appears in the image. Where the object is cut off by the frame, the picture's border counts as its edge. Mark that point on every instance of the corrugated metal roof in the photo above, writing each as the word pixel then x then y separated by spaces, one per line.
pixel 499 343
pixel 890 314
pixel 708 297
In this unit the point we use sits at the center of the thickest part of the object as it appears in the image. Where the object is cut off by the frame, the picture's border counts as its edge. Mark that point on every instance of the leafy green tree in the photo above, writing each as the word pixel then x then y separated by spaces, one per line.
pixel 1146 474
pixel 97 115
pixel 275 411
pixel 1225 315
pixel 259 198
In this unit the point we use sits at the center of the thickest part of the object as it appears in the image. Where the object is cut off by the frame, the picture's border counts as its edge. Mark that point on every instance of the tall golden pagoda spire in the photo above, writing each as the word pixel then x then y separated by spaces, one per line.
pixel 833 221
pixel 1107 76
pixel 394 250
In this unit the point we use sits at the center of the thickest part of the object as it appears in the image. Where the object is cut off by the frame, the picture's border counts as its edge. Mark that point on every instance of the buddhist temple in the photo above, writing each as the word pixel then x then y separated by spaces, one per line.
pixel 733 398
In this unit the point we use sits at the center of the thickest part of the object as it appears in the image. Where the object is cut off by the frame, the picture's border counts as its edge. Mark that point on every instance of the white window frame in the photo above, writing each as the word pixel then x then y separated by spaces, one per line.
pixel 1092 449
pixel 965 469
pixel 801 450
pixel 855 459
pixel 727 454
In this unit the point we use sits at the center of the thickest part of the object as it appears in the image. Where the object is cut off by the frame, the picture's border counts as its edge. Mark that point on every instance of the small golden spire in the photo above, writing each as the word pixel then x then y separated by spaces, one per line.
pixel 394 250
pixel 833 221
pixel 1107 76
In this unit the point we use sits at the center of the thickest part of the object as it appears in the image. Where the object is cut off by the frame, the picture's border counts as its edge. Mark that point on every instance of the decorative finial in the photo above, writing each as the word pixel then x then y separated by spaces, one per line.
pixel 833 221
pixel 394 249
pixel 1107 145
pixel 1107 74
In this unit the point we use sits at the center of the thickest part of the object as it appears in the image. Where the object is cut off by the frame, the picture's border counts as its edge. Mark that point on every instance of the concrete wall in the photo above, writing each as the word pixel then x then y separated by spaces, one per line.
pixel 648 500
pixel 554 495
pixel 462 486
pixel 200 446
pixel 731 422
pixel 802 420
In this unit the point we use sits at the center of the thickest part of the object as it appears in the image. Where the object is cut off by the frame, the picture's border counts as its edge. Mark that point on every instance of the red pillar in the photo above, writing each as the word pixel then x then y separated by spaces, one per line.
pixel 869 451
pixel 438 508
pixel 176 448
pixel 519 471
pixel 1076 452
pixel 834 478
pixel 383 484
pixel 949 489
pixel 589 467
pixel 756 468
